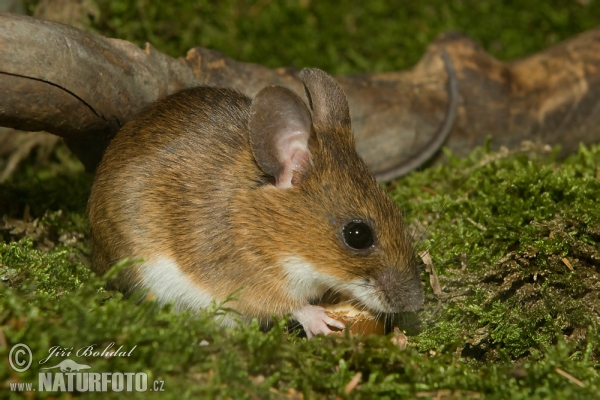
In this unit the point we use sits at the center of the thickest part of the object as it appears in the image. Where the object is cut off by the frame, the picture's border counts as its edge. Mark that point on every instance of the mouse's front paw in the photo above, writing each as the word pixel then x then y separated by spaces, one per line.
pixel 314 320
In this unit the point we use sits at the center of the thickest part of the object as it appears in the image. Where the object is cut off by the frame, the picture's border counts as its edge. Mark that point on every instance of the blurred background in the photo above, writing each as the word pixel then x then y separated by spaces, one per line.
pixel 341 37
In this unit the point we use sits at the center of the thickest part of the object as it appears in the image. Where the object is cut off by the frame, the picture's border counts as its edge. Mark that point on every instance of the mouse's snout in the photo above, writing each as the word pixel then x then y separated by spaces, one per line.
pixel 398 290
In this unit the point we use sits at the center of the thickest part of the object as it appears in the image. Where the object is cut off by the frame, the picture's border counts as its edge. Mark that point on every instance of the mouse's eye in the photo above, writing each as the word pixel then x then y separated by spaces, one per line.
pixel 358 235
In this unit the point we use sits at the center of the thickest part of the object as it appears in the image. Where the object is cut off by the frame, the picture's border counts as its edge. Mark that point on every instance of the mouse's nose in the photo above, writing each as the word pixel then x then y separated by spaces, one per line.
pixel 400 290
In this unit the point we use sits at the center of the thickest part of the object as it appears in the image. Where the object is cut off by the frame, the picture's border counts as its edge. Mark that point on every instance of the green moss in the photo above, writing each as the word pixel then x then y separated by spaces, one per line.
pixel 343 36
pixel 512 322
pixel 519 224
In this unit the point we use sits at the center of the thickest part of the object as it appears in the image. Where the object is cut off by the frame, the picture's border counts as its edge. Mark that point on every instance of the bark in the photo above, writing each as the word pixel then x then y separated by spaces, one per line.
pixel 84 87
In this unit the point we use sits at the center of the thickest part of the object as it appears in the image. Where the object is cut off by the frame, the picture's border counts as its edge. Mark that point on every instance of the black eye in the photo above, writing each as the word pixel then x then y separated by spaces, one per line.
pixel 358 235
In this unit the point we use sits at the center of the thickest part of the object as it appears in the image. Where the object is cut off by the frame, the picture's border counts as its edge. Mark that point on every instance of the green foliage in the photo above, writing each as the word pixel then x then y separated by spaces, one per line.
pixel 59 184
pixel 342 36
pixel 49 274
pixel 516 237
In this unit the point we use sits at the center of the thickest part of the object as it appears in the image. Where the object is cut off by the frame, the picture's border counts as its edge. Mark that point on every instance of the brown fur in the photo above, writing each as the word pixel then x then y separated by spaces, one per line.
pixel 181 180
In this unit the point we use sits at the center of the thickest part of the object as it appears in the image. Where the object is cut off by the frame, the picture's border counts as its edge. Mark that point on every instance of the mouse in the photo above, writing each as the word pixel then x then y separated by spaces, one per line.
pixel 266 197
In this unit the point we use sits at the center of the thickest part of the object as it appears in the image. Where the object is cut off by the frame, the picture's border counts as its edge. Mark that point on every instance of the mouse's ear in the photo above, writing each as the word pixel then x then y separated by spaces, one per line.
pixel 326 98
pixel 280 126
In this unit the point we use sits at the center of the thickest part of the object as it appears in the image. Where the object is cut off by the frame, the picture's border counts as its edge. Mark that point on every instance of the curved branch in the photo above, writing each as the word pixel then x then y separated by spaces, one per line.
pixel 438 139
pixel 83 87
pixel 59 87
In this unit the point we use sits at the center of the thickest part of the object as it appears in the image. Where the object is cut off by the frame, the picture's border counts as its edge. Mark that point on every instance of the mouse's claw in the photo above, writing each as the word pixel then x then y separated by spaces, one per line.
pixel 315 321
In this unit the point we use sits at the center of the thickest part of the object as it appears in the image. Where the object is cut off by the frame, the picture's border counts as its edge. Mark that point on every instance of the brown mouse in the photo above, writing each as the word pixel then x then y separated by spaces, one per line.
pixel 219 193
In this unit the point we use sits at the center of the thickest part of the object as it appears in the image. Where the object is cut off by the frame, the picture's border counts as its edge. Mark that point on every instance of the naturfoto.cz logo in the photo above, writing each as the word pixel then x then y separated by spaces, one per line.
pixel 71 376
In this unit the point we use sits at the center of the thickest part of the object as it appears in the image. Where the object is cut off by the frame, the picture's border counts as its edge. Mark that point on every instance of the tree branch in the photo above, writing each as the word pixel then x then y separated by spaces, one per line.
pixel 84 87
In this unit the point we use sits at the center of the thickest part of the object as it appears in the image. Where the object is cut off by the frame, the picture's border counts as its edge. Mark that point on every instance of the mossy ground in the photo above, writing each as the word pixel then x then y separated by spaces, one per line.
pixel 514 235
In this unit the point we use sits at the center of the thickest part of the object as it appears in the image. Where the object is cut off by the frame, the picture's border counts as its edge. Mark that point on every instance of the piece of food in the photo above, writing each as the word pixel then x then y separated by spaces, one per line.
pixel 358 321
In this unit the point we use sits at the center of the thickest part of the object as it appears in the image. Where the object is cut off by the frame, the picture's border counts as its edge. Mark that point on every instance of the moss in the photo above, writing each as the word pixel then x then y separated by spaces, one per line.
pixel 343 36
pixel 512 318
pixel 516 240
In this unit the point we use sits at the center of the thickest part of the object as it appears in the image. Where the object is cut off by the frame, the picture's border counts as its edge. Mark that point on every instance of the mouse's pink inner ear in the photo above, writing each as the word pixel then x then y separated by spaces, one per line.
pixel 280 126
pixel 327 99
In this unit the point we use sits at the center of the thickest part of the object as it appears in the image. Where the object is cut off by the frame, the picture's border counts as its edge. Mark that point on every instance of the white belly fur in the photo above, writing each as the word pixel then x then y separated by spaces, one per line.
pixel 162 277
